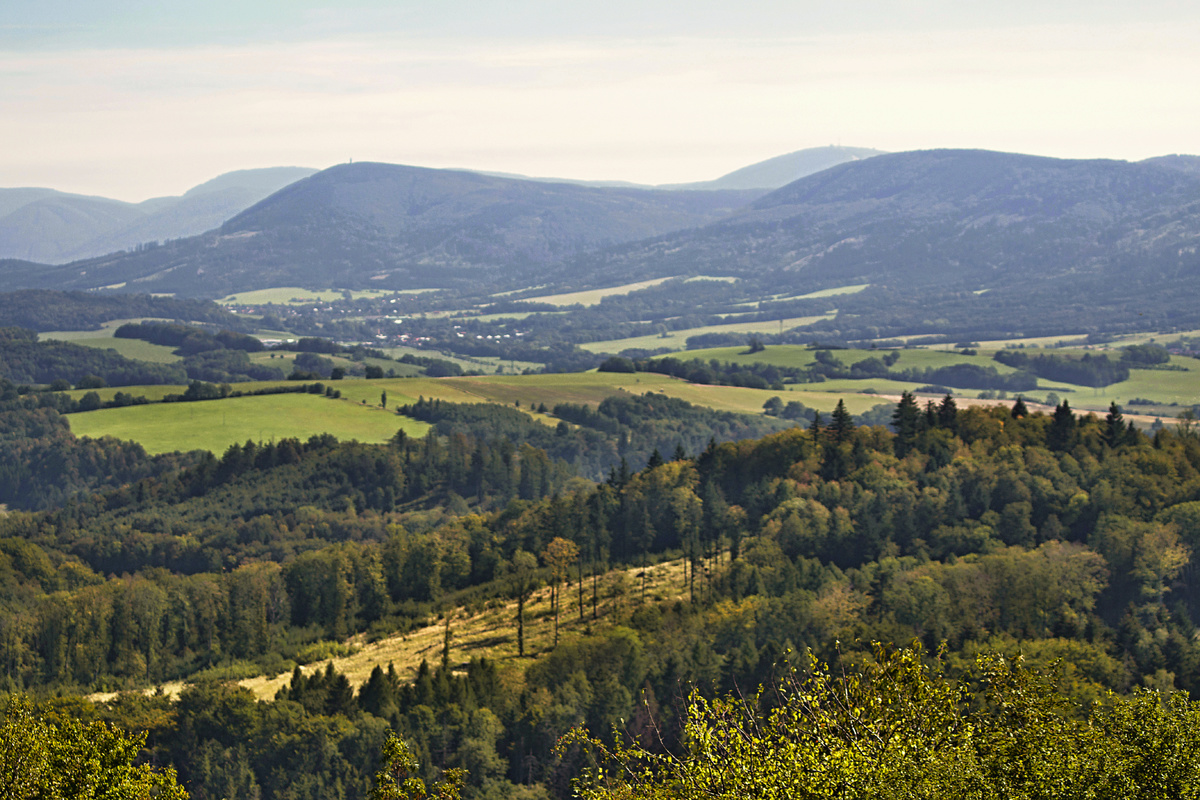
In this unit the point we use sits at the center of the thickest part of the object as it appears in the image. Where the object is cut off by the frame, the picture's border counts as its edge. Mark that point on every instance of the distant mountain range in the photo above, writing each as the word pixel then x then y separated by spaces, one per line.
pixel 52 227
pixel 55 227
pixel 770 174
pixel 388 226
pixel 962 239
pixel 953 234
pixel 968 218
pixel 782 170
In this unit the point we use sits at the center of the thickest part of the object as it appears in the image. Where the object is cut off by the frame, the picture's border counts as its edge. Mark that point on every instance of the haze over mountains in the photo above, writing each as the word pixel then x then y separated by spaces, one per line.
pixel 52 227
pixel 971 219
pixel 55 227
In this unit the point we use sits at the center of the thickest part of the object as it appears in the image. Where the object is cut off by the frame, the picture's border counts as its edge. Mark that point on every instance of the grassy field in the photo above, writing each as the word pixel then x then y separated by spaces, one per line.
pixel 286 361
pixel 478 364
pixel 591 297
pixel 1162 386
pixel 134 348
pixel 677 340
pixel 104 339
pixel 215 424
pixel 295 295
pixel 834 292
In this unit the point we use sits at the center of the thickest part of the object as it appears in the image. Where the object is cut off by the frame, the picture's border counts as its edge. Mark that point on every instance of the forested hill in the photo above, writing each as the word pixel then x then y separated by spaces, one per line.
pixel 966 238
pixel 988 529
pixel 974 219
pixel 47 310
pixel 390 226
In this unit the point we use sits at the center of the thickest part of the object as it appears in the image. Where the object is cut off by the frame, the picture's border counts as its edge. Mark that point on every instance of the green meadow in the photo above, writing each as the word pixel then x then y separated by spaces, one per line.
pixel 836 291
pixel 295 295
pixel 215 424
pixel 677 340
pixel 103 338
pixel 591 297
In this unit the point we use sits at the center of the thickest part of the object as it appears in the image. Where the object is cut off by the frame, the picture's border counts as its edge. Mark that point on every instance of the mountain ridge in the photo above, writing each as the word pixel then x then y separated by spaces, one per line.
pixel 52 227
pixel 395 226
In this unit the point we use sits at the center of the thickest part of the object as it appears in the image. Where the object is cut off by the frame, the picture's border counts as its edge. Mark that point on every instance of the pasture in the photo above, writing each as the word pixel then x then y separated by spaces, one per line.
pixel 677 340
pixel 295 295
pixel 591 297
pixel 216 424
pixel 103 338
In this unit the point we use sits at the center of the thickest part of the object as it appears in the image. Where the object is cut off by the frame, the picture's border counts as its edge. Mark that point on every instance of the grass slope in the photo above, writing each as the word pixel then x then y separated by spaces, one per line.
pixel 677 340
pixel 294 295
pixel 215 424
pixel 591 297
pixel 104 339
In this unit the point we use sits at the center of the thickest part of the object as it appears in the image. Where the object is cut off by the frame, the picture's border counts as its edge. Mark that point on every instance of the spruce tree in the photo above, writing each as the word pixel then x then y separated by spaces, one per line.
pixel 842 424
pixel 906 420
pixel 1114 430
pixel 948 413
pixel 1061 434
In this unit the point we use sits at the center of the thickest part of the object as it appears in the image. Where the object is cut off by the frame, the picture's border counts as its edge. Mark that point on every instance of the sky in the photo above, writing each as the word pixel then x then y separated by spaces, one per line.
pixel 140 98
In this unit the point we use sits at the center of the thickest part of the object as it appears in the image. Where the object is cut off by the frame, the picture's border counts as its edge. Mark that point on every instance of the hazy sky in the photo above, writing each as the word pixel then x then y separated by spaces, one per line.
pixel 137 98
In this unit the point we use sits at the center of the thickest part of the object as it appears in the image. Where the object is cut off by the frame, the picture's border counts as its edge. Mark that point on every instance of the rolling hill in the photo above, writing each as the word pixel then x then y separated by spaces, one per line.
pixel 782 170
pixel 965 240
pixel 388 226
pixel 55 227
pixel 950 242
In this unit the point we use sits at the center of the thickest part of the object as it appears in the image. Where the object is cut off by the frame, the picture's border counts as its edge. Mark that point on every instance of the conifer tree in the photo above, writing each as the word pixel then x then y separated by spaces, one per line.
pixel 1114 429
pixel 842 424
pixel 906 420
pixel 1062 428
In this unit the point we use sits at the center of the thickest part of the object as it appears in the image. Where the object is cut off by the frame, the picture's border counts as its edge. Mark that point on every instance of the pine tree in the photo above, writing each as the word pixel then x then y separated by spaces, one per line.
pixel 948 413
pixel 1019 410
pixel 906 420
pixel 1061 434
pixel 1114 430
pixel 842 424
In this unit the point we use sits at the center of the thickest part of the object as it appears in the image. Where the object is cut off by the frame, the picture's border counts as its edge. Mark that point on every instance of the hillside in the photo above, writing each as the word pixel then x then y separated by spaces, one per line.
pixel 782 170
pixel 954 241
pixel 390 226
pixel 55 227
pixel 412 570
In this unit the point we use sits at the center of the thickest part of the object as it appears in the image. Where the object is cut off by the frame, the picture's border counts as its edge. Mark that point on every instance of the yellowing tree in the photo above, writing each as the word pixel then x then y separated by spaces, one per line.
pixel 559 554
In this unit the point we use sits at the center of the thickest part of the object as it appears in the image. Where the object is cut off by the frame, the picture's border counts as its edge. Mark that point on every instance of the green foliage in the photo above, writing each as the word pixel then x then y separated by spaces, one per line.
pixel 896 726
pixel 63 759
pixel 23 359
pixel 397 781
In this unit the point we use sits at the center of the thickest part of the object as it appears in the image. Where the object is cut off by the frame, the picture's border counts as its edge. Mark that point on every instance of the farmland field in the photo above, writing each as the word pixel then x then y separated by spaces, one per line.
pixel 836 291
pixel 215 424
pixel 104 339
pixel 591 297
pixel 291 295
pixel 677 340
